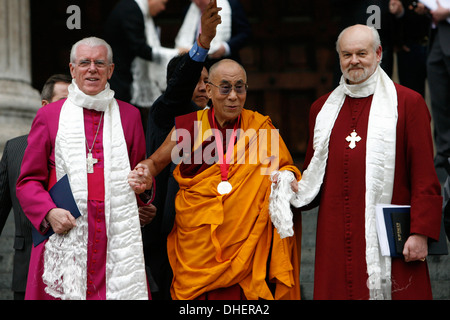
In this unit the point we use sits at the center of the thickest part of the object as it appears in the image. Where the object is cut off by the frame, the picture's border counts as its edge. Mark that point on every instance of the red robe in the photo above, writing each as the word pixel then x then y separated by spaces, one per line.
pixel 340 265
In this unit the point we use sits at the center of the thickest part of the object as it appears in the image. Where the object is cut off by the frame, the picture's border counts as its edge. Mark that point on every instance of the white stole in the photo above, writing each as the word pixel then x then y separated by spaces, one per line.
pixel 149 77
pixel 380 166
pixel 65 257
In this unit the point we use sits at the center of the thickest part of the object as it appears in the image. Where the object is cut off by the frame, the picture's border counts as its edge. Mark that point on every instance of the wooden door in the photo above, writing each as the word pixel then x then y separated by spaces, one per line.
pixel 290 63
pixel 289 59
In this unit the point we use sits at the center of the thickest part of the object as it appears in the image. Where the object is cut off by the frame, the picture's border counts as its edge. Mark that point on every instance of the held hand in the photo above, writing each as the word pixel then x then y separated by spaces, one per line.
pixel 140 179
pixel 210 20
pixel 61 220
pixel 294 186
pixel 416 248
pixel 146 214
pixel 294 183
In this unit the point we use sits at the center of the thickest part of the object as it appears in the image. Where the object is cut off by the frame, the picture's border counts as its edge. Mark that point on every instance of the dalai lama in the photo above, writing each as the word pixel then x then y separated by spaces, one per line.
pixel 224 244
pixel 370 143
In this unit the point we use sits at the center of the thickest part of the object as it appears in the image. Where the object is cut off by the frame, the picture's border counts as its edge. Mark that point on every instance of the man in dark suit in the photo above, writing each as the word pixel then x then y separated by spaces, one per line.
pixel 54 89
pixel 225 45
pixel 240 33
pixel 125 33
pixel 439 81
pixel 185 93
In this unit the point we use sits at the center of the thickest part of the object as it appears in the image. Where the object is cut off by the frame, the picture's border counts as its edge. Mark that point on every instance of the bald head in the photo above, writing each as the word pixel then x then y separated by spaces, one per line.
pixel 226 65
pixel 359 32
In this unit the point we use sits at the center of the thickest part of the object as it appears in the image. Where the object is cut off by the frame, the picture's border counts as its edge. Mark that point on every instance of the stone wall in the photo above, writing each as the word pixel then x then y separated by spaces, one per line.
pixel 18 104
pixel 18 100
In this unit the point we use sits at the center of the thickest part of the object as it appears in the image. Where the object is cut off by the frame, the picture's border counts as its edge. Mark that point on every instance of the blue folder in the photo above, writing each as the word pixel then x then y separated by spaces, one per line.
pixel 62 196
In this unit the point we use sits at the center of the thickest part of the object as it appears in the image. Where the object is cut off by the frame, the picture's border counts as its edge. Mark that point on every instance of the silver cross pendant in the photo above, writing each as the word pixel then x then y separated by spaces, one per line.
pixel 90 161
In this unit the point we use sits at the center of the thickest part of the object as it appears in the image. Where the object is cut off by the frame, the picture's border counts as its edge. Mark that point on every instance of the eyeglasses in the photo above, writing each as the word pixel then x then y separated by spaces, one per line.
pixel 100 64
pixel 225 89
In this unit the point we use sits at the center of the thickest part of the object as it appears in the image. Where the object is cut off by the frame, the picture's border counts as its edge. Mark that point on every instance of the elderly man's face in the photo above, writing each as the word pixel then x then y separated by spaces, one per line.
pixel 91 69
pixel 227 107
pixel 357 57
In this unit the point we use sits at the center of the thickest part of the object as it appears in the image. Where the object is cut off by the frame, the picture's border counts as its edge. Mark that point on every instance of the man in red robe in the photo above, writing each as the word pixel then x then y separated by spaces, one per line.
pixel 94 140
pixel 370 143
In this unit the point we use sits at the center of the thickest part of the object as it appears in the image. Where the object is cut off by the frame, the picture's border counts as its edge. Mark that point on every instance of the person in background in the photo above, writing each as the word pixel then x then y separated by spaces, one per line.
pixel 55 88
pixel 411 43
pixel 232 35
pixel 140 59
pixel 438 71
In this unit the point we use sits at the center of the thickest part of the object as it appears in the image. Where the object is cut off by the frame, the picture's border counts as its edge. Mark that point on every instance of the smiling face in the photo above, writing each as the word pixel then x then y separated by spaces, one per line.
pixel 227 107
pixel 357 56
pixel 91 68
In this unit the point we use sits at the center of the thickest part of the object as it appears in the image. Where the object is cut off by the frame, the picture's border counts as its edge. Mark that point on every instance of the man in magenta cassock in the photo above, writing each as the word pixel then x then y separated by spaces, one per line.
pixel 94 139
pixel 370 143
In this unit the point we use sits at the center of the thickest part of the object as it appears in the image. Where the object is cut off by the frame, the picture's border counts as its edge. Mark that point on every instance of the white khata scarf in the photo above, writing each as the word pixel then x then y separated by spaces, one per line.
pixel 189 30
pixel 380 165
pixel 149 77
pixel 65 257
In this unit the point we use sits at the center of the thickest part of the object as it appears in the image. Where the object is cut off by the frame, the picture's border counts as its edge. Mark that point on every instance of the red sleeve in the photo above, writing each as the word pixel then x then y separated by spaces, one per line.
pixel 426 199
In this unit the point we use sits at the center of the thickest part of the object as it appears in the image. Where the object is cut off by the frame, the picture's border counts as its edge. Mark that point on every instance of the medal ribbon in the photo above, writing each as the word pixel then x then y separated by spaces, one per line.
pixel 224 165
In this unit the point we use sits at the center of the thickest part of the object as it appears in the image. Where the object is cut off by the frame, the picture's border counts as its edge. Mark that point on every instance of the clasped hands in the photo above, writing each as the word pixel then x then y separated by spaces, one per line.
pixel 140 178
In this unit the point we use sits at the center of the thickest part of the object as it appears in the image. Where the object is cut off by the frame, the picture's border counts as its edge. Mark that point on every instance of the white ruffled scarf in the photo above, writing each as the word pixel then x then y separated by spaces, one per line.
pixel 380 166
pixel 189 30
pixel 149 77
pixel 65 260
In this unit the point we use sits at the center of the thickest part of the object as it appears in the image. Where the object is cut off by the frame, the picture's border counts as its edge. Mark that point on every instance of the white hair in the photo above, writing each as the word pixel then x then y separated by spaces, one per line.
pixel 376 38
pixel 91 42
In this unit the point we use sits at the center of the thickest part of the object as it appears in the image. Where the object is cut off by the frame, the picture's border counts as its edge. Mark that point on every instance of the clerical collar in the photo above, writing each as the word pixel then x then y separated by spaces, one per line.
pixel 98 102
pixel 361 90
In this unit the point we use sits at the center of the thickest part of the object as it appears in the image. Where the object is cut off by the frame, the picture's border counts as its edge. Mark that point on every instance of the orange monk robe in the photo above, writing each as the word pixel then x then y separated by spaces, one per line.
pixel 222 240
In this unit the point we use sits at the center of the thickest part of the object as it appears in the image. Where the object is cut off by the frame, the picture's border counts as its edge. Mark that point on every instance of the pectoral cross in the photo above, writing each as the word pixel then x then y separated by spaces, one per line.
pixel 353 138
pixel 90 161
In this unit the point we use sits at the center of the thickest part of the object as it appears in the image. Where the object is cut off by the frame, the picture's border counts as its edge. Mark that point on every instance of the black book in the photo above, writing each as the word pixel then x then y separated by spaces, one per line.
pixel 393 227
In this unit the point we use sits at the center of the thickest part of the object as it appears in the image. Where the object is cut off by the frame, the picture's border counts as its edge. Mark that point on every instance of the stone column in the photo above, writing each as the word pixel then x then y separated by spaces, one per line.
pixel 18 100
